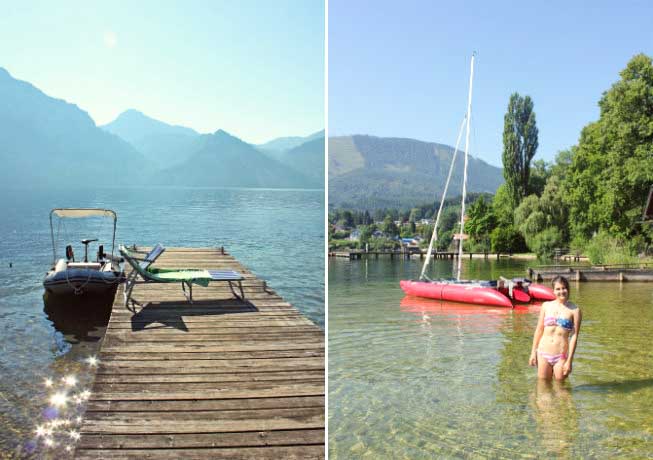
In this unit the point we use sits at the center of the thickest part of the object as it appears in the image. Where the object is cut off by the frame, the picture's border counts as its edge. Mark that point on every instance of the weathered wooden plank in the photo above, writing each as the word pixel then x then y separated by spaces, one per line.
pixel 244 315
pixel 221 328
pixel 175 386
pixel 211 365
pixel 217 348
pixel 304 375
pixel 206 404
pixel 252 390
pixel 176 334
pixel 267 301
pixel 201 421
pixel 263 453
pixel 176 441
pixel 197 355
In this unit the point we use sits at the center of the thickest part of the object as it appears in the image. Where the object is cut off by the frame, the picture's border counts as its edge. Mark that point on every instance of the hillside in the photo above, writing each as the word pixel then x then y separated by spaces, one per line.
pixel 284 144
pixel 163 144
pixel 226 161
pixel 49 142
pixel 367 172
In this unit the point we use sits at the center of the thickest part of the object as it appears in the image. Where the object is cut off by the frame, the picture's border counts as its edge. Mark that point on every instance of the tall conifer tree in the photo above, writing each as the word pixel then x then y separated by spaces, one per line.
pixel 519 146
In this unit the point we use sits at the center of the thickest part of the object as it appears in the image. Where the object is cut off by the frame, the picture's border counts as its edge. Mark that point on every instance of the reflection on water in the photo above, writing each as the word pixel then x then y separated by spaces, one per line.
pixel 416 378
pixel 79 318
pixel 556 416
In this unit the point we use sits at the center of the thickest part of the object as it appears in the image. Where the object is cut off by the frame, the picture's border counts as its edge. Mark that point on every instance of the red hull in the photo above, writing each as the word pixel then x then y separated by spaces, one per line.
pixel 540 292
pixel 465 293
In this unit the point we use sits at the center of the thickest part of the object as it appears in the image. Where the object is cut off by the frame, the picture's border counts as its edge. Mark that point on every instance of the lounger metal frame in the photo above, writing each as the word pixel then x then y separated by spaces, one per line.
pixel 145 262
pixel 228 276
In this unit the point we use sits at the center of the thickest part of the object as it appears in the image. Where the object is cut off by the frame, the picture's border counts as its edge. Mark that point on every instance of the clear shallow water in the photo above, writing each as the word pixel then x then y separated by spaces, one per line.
pixel 277 234
pixel 422 379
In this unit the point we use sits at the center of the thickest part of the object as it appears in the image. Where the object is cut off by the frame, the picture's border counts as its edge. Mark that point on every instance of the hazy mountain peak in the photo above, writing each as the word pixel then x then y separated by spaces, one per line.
pixel 284 144
pixel 132 125
pixel 222 132
pixel 137 120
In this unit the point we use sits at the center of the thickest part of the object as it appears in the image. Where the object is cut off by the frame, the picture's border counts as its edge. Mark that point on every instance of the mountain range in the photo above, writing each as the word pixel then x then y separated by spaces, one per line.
pixel 49 142
pixel 368 172
pixel 46 141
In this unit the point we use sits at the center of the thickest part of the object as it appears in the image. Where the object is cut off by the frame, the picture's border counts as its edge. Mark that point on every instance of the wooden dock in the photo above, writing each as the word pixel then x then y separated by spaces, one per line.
pixel 624 272
pixel 356 255
pixel 220 378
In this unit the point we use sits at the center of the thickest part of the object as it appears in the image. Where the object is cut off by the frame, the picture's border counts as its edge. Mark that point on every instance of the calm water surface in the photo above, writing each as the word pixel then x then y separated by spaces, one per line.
pixel 413 378
pixel 277 234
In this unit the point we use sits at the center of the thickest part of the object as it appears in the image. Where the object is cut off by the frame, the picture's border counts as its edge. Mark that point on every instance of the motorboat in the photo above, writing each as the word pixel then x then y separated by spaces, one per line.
pixel 81 276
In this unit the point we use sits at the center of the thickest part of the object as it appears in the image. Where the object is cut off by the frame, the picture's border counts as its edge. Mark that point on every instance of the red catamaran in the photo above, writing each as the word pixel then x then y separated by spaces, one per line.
pixel 501 293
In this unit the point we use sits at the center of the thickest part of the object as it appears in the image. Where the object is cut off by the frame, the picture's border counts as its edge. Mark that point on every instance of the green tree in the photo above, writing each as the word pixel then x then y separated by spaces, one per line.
pixel 520 142
pixel 540 172
pixel 366 233
pixel 389 227
pixel 544 243
pixel 415 215
pixel 480 223
pixel 505 239
pixel 612 166
pixel 502 206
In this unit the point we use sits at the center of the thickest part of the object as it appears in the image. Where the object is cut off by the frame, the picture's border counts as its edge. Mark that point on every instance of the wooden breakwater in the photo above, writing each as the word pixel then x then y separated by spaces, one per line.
pixel 406 254
pixel 219 378
pixel 623 272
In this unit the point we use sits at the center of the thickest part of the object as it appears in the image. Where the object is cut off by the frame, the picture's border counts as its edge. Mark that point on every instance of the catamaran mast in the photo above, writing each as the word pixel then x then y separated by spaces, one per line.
pixel 462 212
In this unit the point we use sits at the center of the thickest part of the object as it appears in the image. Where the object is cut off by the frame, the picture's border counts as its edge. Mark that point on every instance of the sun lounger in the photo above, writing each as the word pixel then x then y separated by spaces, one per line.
pixel 145 262
pixel 187 277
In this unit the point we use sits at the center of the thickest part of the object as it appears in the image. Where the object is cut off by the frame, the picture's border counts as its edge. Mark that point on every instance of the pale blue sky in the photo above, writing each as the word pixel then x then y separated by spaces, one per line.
pixel 253 68
pixel 402 68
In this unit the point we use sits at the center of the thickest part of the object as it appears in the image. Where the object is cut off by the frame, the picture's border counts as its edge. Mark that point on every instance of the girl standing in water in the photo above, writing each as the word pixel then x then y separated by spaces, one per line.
pixel 556 334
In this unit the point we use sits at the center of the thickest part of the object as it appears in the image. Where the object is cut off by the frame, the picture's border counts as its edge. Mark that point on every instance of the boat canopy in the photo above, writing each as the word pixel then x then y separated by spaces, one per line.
pixel 75 213
pixel 83 212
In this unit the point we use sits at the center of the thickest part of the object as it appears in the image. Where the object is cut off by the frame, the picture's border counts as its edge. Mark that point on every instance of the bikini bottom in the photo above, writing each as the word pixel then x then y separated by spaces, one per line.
pixel 552 359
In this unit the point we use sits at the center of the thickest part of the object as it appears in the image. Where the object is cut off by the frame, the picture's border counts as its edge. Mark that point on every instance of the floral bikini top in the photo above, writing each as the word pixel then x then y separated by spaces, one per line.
pixel 559 321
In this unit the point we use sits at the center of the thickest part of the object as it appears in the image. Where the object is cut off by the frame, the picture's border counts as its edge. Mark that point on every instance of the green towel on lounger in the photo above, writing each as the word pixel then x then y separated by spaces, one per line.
pixel 199 277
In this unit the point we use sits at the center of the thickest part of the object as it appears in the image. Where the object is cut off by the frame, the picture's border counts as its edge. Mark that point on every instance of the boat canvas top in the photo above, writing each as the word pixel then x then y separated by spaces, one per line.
pixel 77 213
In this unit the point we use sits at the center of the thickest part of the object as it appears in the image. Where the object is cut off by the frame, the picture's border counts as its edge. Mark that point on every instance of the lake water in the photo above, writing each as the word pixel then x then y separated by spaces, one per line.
pixel 413 378
pixel 277 234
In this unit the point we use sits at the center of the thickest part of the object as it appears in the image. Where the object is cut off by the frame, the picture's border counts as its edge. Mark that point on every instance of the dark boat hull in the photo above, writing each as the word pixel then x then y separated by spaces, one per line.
pixel 81 281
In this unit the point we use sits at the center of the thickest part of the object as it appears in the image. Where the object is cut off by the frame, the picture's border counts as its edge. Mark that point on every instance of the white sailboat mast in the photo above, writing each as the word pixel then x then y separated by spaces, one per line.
pixel 462 213
pixel 434 235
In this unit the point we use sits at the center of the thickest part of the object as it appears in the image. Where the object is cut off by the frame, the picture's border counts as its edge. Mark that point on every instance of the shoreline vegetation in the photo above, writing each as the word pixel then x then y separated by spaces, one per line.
pixel 589 201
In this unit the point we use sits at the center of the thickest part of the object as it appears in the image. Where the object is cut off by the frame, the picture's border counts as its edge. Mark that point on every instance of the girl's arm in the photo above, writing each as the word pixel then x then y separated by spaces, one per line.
pixel 539 330
pixel 578 317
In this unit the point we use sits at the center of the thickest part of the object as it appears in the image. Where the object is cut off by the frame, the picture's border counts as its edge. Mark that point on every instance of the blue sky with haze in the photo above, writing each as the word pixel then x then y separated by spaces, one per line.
pixel 401 69
pixel 252 68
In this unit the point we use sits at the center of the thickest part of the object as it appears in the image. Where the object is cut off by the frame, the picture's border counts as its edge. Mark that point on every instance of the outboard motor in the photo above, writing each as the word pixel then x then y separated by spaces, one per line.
pixel 69 253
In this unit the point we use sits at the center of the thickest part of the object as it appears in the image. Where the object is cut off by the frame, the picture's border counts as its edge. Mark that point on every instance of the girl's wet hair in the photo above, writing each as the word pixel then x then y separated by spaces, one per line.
pixel 562 280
